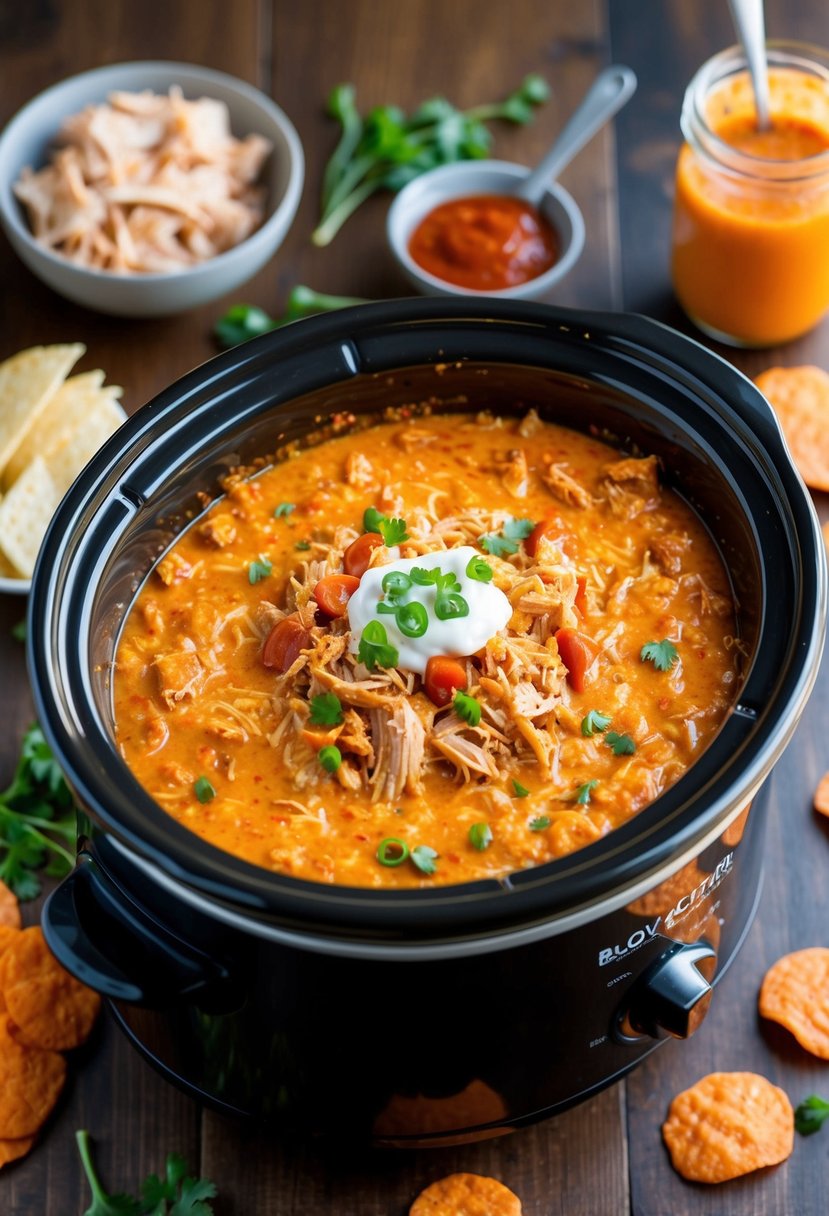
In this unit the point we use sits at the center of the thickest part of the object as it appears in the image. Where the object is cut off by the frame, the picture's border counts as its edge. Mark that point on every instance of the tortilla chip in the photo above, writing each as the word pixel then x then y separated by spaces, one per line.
pixel 25 513
pixel 48 1007
pixel 30 1085
pixel 9 910
pixel 800 398
pixel 466 1195
pixel 727 1125
pixel 821 798
pixel 65 411
pixel 13 1150
pixel 65 461
pixel 27 381
pixel 795 993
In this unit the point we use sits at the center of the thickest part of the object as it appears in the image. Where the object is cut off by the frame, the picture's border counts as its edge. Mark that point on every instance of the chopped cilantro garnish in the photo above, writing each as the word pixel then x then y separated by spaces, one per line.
pixel 393 531
pixel 259 569
pixel 37 818
pixel 174 1194
pixel 540 823
pixel 480 836
pixel 326 710
pixel 662 654
pixel 424 858
pixel 507 540
pixel 303 545
pixel 283 510
pixel 375 650
pixel 811 1115
pixel 582 795
pixel 521 791
pixel 592 722
pixel 467 707
pixel 621 745
pixel 330 758
pixel 203 790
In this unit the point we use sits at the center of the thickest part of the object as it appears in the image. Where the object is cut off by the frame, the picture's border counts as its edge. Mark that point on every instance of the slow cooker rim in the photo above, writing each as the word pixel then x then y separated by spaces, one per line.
pixel 389 314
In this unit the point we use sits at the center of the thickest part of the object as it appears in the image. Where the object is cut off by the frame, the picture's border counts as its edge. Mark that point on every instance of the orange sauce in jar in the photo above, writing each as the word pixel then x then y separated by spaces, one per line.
pixel 751 217
pixel 486 242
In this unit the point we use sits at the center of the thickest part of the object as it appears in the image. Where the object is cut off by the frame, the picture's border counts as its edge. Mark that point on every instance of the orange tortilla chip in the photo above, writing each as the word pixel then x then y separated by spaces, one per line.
pixel 727 1125
pixel 50 1009
pixel 30 1084
pixel 795 993
pixel 13 1150
pixel 821 800
pixel 9 908
pixel 800 398
pixel 466 1195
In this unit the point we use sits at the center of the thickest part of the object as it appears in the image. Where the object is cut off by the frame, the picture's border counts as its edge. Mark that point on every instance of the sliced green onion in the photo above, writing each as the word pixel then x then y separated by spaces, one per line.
pixel 451 607
pixel 396 582
pixel 392 852
pixel 479 569
pixel 330 758
pixel 203 790
pixel 480 836
pixel 521 791
pixel 412 620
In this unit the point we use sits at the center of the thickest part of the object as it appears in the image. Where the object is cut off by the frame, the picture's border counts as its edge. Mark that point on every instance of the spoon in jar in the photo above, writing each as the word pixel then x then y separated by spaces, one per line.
pixel 605 97
pixel 749 23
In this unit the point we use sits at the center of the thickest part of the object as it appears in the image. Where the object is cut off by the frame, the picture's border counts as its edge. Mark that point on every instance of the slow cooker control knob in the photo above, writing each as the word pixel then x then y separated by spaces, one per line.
pixel 671 997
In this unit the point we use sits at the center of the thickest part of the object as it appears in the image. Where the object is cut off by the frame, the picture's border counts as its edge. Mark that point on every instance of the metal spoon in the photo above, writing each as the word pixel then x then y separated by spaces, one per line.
pixel 608 93
pixel 750 26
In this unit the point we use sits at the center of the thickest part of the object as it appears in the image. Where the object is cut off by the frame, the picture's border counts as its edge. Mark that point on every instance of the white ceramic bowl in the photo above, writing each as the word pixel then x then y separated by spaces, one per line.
pixel 26 141
pixel 471 177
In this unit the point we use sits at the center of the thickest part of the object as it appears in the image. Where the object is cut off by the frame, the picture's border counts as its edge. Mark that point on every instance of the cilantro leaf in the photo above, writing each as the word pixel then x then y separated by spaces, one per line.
pixel 375 650
pixel 467 708
pixel 480 836
pixel 662 654
pixel 521 791
pixel 424 858
pixel 582 795
pixel 176 1194
pixel 259 569
pixel 540 823
pixel 810 1115
pixel 283 510
pixel 393 531
pixel 507 541
pixel 620 745
pixel 303 545
pixel 326 710
pixel 592 722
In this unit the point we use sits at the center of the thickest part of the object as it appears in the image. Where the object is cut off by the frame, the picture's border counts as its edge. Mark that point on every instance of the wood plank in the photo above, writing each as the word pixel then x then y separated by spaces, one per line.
pixel 665 45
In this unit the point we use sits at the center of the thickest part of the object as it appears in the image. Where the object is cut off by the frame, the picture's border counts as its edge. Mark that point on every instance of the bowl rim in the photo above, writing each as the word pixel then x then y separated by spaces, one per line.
pixel 326 345
pixel 467 170
pixel 13 219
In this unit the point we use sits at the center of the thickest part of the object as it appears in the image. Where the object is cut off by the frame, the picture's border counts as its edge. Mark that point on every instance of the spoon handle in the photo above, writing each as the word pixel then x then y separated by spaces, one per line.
pixel 608 93
pixel 751 30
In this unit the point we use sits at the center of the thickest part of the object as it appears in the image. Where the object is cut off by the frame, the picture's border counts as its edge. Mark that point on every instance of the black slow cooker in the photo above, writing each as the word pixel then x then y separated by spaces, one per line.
pixel 443 1014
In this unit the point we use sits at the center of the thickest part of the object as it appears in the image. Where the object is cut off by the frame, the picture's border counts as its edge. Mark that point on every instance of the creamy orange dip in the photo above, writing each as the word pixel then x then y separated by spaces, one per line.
pixel 259 716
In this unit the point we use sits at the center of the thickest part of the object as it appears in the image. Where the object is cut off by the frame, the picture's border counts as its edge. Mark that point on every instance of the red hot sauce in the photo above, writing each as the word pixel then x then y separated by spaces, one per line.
pixel 485 242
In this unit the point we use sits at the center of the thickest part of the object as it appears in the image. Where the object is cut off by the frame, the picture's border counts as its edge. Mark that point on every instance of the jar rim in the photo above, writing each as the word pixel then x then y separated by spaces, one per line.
pixel 811 60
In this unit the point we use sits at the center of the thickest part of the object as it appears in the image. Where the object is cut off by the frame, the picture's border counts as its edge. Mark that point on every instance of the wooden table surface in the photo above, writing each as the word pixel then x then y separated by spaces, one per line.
pixel 605 1157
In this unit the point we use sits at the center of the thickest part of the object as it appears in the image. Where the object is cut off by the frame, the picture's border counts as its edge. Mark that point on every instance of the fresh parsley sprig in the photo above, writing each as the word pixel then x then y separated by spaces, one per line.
pixel 259 569
pixel 620 745
pixel 37 819
pixel 507 540
pixel 375 649
pixel 326 710
pixel 386 149
pixel 594 722
pixel 176 1194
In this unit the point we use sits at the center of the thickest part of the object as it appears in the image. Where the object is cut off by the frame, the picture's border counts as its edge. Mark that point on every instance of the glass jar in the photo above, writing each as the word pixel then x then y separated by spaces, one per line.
pixel 750 260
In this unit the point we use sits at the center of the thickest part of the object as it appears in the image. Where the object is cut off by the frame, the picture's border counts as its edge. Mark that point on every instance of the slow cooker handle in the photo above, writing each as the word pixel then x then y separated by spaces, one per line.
pixel 92 928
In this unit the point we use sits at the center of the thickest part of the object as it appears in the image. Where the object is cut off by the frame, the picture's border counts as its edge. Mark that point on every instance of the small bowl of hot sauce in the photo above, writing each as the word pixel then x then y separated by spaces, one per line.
pixel 462 230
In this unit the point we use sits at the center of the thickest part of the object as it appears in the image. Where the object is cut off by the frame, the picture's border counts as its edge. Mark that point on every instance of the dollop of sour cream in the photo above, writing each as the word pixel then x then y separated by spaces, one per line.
pixel 489 608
